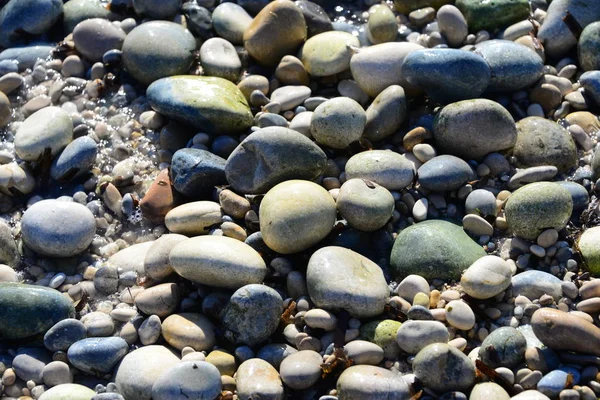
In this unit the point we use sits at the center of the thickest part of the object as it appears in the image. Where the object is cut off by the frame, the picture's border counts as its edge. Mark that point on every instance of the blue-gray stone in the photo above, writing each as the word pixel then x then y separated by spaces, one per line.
pixel 29 363
pixel 441 73
pixel 513 66
pixel 275 353
pixel 575 374
pixel 20 19
pixel 75 160
pixel 223 145
pixel 534 284
pixel 7 66
pixel 419 313
pixel 590 81
pixel 64 334
pixel 504 347
pixel 27 310
pixel 26 56
pixel 552 384
pixel 579 194
pixel 195 172
pixel 157 9
pixel 444 173
pixel 588 48
pixel 199 20
pixel 97 355
pixel 75 11
pixel 317 20
pixel 112 57
pixel 252 314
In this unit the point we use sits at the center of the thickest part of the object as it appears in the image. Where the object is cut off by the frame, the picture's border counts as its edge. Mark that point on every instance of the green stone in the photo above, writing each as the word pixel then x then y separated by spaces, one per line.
pixel 492 14
pixel 27 310
pixel 75 11
pixel 433 249
pixel 212 104
pixel 533 208
pixel 382 333
pixel 406 6
pixel 589 247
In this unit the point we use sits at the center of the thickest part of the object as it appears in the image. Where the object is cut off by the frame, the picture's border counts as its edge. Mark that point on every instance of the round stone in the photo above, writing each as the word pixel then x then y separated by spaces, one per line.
pixel 71 391
pixel 149 60
pixel 386 168
pixel 49 128
pixel 161 300
pixel 189 329
pixel 363 292
pixel 481 202
pixel 218 261
pixel 368 382
pixel 63 334
pixel 188 379
pixel 590 249
pixel 338 122
pixel 504 347
pixel 471 129
pixel 257 379
pixel 488 390
pixel 589 47
pixel 229 21
pixel 486 277
pixel 58 228
pixel 328 53
pixel 301 370
pixel 364 204
pixel 460 315
pixel 296 215
pixel 76 11
pixel 364 352
pixel 444 173
pixel 382 333
pixel 413 336
pixel 219 58
pixel 444 368
pixel 94 37
pixel 535 207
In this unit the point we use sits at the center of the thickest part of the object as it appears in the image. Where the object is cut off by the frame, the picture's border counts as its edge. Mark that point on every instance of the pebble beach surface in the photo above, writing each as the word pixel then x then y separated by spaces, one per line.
pixel 309 200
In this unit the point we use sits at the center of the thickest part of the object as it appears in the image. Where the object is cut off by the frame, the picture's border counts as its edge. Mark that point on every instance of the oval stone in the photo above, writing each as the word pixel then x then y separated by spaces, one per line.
pixel 504 347
pixel 338 122
pixel 386 168
pixel 189 329
pixel 212 104
pixel 367 382
pixel 328 53
pixel 94 37
pixel 589 246
pixel 534 284
pixel 97 355
pixel 49 128
pixel 339 278
pixel 219 58
pixel 492 15
pixel 196 172
pixel 444 173
pixel 486 277
pixel 301 370
pixel 188 379
pixel 70 391
pixel 444 368
pixel 195 218
pixel 218 261
pixel 257 379
pixel 75 160
pixel 413 336
pixel 57 228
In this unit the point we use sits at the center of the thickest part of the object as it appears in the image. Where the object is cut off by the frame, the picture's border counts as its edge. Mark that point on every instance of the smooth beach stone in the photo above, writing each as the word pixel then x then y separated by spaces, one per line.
pixel 131 258
pixel 589 46
pixel 212 104
pixel 156 9
pixel 483 15
pixel 406 6
pixel 338 122
pixel 217 261
pixel 504 347
pixel 386 168
pixel 534 284
pixel 149 60
pixel 63 334
pixel 339 278
pixel 452 25
pixel 290 96
pixel 440 73
pixel 530 395
pixel 486 277
pixel 188 379
pixel 275 353
pixel 589 246
pixel 68 391
pixel 21 19
pixel 411 285
pixel 590 81
pixel 50 127
pixel 443 368
pixel 381 25
pixel 257 379
pixel 56 373
pixel 444 173
pixel 513 66
pixel 317 20
pixel 579 194
pixel 196 172
pixel 5 110
pixel 364 204
pixel 97 355
pixel 460 315
pixel 76 11
pixel 557 329
pixel 277 30
pixel 27 56
pixel 481 202
pixel 141 368
pixel 328 53
pixel 195 218
pixel 94 37
pixel 383 334
pixel 553 383
pixel 252 314
pixel 10 81
pixel 229 21
pixel 57 228
pixel 488 390
pixel 554 33
pixel 386 113
pixel 471 129
pixel 270 156
pixel 368 382
pixel 301 370
pixel 544 142
pixel 75 160
pixel 413 336
pixel 377 67
pixel 363 352
pixel 219 58
pixel 295 215
pixel 536 207
pixel 189 329
pixel 444 251
pixel 161 300
pixel 9 253
pixel 28 310
pixel 156 263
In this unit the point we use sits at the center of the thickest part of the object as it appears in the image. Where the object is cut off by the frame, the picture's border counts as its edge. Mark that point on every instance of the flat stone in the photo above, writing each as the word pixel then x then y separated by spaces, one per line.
pixel 413 336
pixel 491 16
pixel 97 355
pixel 371 383
pixel 386 168
pixel 50 127
pixel 189 329
pixel 444 173
pixel 534 284
pixel 194 218
pixel 63 334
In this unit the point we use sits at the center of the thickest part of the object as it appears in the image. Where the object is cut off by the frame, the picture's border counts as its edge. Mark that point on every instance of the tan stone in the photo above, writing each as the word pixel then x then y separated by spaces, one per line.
pixel 562 331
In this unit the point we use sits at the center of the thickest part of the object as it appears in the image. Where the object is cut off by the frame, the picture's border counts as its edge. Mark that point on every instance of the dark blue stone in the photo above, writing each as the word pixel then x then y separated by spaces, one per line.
pixel 195 172
pixel 444 173
pixel 75 160
pixel 63 334
pixel 26 56
pixel 22 19
pixel 97 355
pixel 590 81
